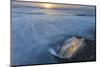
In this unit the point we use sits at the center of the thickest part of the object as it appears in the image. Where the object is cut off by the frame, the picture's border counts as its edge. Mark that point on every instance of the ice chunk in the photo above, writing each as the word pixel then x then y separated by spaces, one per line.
pixel 69 48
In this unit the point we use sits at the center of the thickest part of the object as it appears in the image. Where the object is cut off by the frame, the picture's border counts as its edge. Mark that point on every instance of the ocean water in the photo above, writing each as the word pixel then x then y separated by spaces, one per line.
pixel 35 29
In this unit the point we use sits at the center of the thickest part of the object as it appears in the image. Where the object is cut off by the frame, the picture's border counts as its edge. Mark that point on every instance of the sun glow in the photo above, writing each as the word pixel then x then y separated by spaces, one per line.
pixel 47 5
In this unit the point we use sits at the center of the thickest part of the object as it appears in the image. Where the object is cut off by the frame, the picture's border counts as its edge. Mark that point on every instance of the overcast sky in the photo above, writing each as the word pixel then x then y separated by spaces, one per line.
pixel 51 5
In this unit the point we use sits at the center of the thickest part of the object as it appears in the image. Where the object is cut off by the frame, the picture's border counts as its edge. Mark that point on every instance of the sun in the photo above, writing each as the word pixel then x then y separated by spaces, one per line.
pixel 47 5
